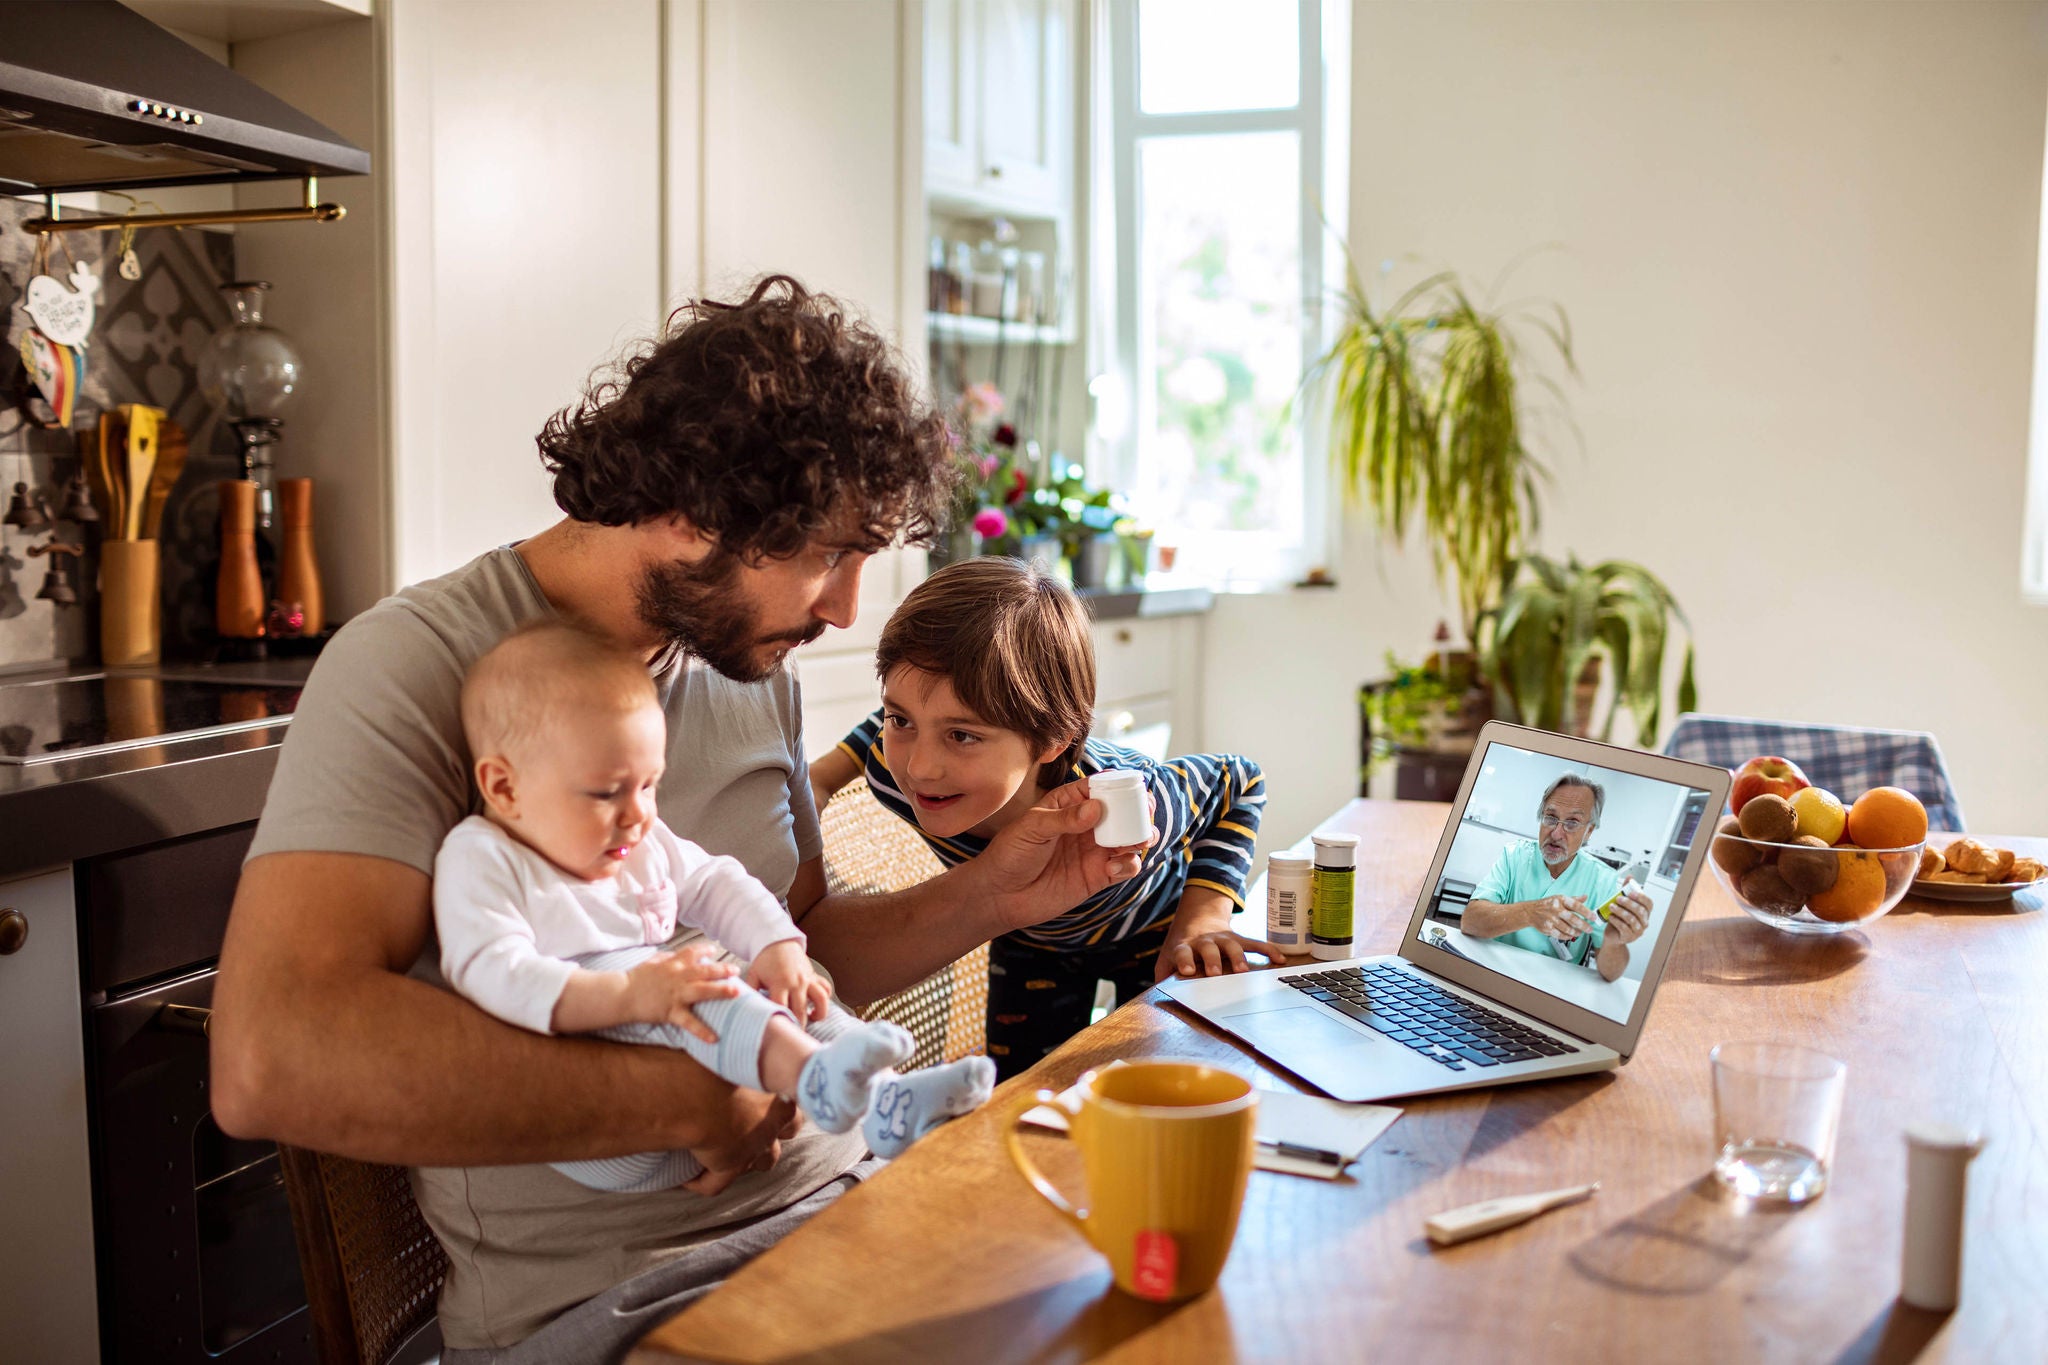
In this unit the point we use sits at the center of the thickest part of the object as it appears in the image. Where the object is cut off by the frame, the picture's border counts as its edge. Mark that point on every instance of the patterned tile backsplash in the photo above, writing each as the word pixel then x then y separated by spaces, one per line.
pixel 145 344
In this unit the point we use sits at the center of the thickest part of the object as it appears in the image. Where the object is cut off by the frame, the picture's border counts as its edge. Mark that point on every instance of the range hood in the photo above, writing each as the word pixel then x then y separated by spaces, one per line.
pixel 95 97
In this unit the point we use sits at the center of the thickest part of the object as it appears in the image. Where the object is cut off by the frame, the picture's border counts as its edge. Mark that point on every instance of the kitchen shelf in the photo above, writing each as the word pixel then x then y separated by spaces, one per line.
pixel 980 330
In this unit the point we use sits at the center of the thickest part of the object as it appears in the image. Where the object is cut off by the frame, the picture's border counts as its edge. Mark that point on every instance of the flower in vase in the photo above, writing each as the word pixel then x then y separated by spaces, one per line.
pixel 980 404
pixel 990 522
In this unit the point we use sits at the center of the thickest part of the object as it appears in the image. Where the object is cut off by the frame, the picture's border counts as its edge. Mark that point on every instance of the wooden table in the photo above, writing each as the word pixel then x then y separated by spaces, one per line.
pixel 1938 1010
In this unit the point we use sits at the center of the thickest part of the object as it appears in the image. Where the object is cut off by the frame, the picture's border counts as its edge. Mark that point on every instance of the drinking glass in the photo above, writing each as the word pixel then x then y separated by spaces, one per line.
pixel 1776 1110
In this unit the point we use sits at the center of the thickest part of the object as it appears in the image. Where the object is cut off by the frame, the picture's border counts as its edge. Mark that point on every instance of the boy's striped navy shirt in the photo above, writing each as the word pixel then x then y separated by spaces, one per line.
pixel 1205 808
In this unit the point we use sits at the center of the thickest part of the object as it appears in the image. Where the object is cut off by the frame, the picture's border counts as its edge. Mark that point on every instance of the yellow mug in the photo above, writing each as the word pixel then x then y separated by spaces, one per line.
pixel 1167 1147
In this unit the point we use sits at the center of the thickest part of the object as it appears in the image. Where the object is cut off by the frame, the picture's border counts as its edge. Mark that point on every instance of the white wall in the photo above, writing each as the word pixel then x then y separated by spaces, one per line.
pixel 525 169
pixel 1797 245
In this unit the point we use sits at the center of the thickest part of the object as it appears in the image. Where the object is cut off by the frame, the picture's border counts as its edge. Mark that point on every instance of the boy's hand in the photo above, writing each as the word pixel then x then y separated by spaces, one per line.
pixel 1216 952
pixel 1201 941
pixel 662 989
pixel 786 976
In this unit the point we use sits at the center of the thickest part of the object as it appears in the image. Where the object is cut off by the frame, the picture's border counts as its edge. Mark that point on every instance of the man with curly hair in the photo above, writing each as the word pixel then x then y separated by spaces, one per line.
pixel 722 494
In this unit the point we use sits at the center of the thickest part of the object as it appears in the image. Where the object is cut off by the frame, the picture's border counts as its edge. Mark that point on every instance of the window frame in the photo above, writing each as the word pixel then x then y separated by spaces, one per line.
pixel 1320 119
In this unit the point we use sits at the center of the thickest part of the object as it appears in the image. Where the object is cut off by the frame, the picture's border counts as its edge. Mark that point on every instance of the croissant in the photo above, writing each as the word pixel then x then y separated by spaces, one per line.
pixel 1930 862
pixel 1967 855
pixel 2026 870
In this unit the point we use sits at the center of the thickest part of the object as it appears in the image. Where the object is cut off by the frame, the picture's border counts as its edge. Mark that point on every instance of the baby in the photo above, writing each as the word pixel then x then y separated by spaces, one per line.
pixel 554 906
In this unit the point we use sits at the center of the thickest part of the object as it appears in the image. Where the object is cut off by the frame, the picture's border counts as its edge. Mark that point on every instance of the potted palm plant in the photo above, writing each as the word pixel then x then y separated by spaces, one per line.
pixel 1543 645
pixel 1426 400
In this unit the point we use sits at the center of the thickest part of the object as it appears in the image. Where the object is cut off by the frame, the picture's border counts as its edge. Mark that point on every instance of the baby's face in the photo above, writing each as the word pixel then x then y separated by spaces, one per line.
pixel 582 795
pixel 960 774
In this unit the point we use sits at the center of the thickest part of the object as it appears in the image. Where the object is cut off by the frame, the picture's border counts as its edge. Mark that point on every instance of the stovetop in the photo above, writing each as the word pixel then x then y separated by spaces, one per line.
pixel 97 713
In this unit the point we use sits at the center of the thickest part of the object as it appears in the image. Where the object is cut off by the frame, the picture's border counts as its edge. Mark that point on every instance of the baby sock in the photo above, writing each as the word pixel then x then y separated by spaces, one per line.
pixel 905 1108
pixel 832 1088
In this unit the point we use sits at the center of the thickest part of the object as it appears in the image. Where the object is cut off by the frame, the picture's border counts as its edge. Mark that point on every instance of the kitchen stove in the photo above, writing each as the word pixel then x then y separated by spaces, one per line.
pixel 95 713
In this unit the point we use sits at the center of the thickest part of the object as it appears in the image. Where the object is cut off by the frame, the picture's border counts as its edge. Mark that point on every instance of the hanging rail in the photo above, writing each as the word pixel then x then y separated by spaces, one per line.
pixel 311 211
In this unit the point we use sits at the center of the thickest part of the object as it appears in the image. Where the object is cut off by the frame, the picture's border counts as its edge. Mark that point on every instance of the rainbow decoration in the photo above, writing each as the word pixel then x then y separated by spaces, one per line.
pixel 58 371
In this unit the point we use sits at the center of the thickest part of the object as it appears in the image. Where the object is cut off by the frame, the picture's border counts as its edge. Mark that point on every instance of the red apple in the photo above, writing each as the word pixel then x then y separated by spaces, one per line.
pixel 1760 776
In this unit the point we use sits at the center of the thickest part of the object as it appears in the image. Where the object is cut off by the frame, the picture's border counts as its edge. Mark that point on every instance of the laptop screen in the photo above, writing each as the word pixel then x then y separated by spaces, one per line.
pixel 1561 875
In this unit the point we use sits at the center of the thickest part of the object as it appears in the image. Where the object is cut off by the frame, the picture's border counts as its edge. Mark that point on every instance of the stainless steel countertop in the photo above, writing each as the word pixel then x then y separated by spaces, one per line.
pixel 67 809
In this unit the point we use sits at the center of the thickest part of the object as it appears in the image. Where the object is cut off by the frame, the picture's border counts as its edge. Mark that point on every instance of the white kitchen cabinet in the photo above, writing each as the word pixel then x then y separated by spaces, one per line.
pixel 999 83
pixel 47 1297
pixel 1148 683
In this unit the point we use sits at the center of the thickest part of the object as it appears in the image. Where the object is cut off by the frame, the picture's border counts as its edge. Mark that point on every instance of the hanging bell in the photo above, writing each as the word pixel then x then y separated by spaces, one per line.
pixel 78 500
pixel 25 510
pixel 57 586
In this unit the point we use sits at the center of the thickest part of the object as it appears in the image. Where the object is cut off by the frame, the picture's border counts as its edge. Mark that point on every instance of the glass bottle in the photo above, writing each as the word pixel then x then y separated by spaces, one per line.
pixel 250 370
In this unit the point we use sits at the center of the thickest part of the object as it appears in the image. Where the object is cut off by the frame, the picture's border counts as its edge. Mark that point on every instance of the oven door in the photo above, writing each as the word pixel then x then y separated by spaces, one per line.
pixel 196 1258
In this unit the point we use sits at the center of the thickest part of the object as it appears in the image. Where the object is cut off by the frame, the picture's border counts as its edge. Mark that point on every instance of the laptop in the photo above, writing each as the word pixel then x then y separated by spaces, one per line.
pixel 1462 1005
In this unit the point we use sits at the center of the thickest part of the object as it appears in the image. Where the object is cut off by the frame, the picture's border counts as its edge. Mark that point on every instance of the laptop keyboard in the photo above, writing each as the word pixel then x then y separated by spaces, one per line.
pixel 1446 1028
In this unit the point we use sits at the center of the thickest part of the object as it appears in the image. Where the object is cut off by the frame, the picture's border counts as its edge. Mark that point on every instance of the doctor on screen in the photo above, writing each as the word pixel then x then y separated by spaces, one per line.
pixel 1541 893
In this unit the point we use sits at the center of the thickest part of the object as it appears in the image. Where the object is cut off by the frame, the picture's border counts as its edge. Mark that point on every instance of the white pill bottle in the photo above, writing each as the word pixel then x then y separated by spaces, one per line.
pixel 1290 880
pixel 1126 819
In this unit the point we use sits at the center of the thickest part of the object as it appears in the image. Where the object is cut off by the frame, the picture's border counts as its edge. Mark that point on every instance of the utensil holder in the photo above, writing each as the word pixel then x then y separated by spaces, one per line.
pixel 131 612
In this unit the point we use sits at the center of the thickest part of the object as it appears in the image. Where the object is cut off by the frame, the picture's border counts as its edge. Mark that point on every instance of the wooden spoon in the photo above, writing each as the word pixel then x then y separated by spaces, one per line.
pixel 171 448
pixel 103 464
pixel 140 466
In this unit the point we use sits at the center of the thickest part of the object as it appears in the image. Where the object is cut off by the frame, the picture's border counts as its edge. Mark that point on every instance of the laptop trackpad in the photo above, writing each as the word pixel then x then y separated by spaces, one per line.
pixel 1292 1036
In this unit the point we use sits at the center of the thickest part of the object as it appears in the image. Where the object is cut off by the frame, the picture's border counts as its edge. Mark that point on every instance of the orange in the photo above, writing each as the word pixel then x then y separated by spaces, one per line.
pixel 1887 817
pixel 1858 889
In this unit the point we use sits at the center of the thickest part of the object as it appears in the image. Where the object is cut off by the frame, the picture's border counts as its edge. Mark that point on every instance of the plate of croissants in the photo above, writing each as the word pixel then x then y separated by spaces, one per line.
pixel 1967 870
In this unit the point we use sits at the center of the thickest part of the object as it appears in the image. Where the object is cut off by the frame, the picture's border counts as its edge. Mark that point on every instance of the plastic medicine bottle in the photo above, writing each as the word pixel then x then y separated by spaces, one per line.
pixel 1290 880
pixel 1329 931
pixel 1125 818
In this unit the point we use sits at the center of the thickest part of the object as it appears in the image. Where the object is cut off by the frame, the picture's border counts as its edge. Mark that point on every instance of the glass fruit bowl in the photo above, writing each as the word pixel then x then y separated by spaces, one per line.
pixel 1811 888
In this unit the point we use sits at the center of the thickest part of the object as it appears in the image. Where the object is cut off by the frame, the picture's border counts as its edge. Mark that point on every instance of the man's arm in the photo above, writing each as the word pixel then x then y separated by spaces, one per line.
pixel 320 1039
pixel 1045 863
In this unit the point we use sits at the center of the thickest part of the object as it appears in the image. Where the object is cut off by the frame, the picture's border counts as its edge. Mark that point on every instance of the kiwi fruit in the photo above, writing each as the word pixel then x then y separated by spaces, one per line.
pixel 1767 889
pixel 1769 818
pixel 1733 856
pixel 1808 865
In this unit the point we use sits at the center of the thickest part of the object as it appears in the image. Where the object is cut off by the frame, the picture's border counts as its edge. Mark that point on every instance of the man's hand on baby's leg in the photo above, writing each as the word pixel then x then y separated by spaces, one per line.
pixel 664 987
pixel 905 1108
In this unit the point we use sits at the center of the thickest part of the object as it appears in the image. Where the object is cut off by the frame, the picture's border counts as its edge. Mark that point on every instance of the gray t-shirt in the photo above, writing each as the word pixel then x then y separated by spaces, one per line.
pixel 374 763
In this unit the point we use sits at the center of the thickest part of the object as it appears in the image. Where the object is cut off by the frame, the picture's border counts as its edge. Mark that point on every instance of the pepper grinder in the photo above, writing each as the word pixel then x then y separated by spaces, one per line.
pixel 1938 1157
pixel 298 572
pixel 238 610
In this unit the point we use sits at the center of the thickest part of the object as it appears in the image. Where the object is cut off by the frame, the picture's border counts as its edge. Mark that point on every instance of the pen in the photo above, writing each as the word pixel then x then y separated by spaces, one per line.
pixel 1300 1153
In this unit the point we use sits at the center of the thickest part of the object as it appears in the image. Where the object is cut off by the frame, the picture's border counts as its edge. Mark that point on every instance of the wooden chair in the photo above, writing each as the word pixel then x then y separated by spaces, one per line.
pixel 373 1269
pixel 867 849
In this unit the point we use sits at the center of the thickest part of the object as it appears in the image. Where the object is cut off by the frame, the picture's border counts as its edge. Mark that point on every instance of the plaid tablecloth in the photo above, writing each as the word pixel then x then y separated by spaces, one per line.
pixel 1847 760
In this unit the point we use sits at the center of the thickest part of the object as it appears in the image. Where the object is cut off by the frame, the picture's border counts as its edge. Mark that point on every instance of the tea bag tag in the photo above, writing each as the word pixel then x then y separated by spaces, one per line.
pixel 1155 1264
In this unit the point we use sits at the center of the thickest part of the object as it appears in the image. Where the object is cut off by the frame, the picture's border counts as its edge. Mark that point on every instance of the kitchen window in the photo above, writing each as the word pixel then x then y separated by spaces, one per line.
pixel 1220 206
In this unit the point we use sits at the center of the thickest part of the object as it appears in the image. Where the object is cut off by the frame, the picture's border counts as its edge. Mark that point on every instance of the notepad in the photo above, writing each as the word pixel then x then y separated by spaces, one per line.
pixel 1285 1116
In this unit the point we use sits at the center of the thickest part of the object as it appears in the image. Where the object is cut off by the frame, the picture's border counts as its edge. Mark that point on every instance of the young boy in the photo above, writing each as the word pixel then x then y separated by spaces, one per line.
pixel 988 691
pixel 553 907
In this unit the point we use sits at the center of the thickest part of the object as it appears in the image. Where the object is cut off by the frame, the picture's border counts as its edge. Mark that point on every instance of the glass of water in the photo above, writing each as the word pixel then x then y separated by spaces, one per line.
pixel 1776 1110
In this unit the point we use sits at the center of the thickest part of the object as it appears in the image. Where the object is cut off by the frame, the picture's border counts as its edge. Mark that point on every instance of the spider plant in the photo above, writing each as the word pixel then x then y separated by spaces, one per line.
pixel 1555 620
pixel 1426 407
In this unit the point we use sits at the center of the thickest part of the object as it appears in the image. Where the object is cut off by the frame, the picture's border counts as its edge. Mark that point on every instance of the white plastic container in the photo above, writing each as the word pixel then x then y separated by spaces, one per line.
pixel 1126 819
pixel 1290 879
pixel 1938 1157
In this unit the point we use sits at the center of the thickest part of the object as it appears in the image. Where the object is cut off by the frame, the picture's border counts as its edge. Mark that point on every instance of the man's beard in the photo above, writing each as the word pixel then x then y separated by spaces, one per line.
pixel 700 609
